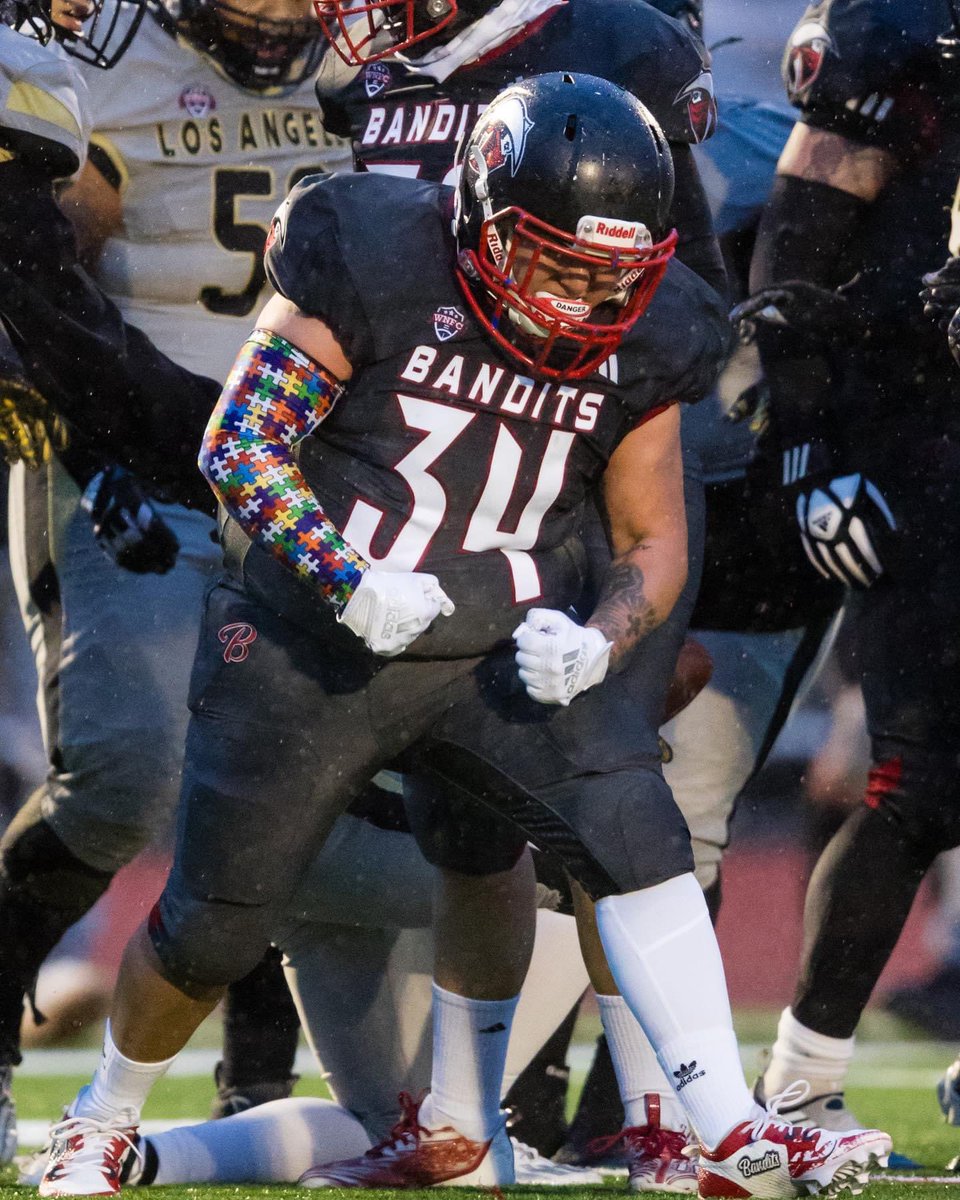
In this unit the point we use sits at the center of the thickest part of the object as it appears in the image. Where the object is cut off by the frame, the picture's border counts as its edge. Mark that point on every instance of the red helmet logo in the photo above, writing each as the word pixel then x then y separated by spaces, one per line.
pixel 505 138
pixel 809 45
pixel 701 105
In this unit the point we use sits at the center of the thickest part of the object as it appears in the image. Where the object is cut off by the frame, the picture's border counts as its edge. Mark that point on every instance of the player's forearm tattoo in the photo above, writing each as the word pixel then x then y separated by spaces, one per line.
pixel 624 614
pixel 273 398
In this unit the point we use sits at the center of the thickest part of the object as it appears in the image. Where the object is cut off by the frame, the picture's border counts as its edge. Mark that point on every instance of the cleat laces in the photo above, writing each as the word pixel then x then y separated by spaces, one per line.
pixel 656 1142
pixel 406 1133
pixel 73 1130
pixel 791 1096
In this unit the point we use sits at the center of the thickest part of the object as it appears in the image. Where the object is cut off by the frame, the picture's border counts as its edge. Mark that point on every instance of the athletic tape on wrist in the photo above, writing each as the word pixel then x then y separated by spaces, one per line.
pixel 274 397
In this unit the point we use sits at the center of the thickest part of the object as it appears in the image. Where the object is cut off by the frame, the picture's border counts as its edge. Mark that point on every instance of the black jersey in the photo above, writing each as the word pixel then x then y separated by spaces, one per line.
pixel 443 456
pixel 403 120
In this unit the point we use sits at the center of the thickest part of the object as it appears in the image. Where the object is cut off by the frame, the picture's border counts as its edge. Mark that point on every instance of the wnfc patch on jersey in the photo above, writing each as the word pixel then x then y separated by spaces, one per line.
pixel 448 322
pixel 807 48
pixel 376 77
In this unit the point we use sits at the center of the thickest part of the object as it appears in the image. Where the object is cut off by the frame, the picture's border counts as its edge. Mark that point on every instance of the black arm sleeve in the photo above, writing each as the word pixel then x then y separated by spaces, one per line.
pixel 697 245
pixel 800 231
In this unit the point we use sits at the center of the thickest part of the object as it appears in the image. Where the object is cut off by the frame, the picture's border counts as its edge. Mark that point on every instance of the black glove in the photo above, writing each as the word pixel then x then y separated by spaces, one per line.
pixel 126 525
pixel 941 302
pixel 828 317
pixel 941 293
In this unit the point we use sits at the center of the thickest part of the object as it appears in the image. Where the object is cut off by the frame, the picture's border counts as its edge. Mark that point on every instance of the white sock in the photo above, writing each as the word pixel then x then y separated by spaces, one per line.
pixel 272 1143
pixel 663 954
pixel 800 1053
pixel 470 1039
pixel 636 1066
pixel 120 1086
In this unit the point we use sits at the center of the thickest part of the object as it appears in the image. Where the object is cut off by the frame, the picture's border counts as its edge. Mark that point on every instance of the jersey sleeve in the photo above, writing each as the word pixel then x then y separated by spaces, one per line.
pixel 308 262
pixel 866 69
pixel 678 347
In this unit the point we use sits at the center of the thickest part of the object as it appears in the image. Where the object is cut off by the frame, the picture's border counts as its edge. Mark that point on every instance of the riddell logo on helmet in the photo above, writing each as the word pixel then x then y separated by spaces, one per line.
pixel 617 233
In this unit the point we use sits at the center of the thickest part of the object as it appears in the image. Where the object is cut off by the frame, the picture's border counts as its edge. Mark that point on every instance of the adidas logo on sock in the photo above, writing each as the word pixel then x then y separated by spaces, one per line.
pixel 687 1073
pixel 499 1027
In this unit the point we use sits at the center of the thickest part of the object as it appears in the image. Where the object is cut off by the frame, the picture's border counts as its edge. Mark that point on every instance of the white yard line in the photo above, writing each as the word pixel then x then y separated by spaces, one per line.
pixel 877 1064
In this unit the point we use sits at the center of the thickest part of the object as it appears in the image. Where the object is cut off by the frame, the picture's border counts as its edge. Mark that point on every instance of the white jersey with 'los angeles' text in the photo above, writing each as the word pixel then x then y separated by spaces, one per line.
pixel 201 166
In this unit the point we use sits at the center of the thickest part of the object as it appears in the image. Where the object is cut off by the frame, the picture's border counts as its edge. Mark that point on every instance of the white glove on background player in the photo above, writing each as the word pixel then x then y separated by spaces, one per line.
pixel 390 609
pixel 559 659
pixel 844 524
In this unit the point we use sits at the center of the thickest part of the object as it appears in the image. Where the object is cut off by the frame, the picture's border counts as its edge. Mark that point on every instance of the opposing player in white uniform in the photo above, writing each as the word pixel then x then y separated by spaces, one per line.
pixel 197 133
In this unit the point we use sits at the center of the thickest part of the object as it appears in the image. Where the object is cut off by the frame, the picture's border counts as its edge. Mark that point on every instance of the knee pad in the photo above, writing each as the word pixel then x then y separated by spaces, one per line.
pixel 457 832
pixel 206 944
pixel 916 789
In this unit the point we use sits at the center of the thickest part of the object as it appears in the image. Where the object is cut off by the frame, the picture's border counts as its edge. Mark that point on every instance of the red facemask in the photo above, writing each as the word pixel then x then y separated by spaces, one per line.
pixel 351 27
pixel 549 331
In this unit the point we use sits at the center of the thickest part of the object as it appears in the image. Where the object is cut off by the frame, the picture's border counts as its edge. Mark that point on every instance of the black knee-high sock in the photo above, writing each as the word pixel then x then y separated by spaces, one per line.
pixel 858 899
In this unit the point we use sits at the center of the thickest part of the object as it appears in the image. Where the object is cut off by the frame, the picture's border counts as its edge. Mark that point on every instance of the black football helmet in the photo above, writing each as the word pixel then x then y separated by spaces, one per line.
pixel 561 220
pixel 257 52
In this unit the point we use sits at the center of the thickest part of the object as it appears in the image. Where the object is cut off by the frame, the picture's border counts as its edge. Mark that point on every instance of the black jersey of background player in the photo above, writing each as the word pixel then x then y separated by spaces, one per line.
pixel 402 120
pixel 442 455
pixel 870 71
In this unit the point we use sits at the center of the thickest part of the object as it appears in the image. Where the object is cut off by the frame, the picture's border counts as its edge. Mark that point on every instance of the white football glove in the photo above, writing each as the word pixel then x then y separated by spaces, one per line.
pixel 844 524
pixel 559 659
pixel 390 609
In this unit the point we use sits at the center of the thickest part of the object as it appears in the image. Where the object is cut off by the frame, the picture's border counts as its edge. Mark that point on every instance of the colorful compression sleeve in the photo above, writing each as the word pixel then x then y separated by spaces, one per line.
pixel 273 398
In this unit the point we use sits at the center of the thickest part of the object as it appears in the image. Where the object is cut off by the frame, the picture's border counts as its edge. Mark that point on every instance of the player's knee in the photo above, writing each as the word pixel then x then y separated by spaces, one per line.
pixel 206 944
pixel 636 837
pixel 38 866
pixel 915 788
pixel 112 798
pixel 455 832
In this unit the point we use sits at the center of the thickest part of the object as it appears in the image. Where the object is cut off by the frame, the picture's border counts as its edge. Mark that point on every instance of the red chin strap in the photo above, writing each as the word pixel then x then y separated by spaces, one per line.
pixel 351 28
pixel 567 349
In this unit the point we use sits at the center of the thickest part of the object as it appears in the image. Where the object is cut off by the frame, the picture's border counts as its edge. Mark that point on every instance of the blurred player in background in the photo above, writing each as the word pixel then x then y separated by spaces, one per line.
pixel 860 189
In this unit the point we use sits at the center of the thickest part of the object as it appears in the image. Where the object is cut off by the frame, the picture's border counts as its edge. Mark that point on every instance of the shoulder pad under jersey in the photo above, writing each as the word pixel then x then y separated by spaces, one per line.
pixel 43 117
pixel 345 247
pixel 678 347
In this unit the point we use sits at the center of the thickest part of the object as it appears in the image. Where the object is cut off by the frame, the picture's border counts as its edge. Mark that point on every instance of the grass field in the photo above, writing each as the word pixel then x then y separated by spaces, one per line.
pixel 891 1088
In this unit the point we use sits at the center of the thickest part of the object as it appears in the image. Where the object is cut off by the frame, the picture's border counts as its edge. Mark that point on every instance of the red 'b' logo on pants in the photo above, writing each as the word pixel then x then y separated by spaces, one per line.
pixel 236 639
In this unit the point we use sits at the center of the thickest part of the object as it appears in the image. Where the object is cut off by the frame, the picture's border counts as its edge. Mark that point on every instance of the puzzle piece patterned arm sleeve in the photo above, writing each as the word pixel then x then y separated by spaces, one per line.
pixel 274 397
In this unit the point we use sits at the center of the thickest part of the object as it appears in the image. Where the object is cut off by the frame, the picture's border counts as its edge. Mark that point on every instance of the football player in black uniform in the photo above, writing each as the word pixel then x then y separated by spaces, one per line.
pixel 403 80
pixel 461 407
pixel 864 401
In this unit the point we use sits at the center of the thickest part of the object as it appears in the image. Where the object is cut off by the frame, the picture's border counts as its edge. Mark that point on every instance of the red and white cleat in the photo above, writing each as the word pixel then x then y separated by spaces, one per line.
pixel 658 1159
pixel 769 1158
pixel 417 1156
pixel 87 1157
